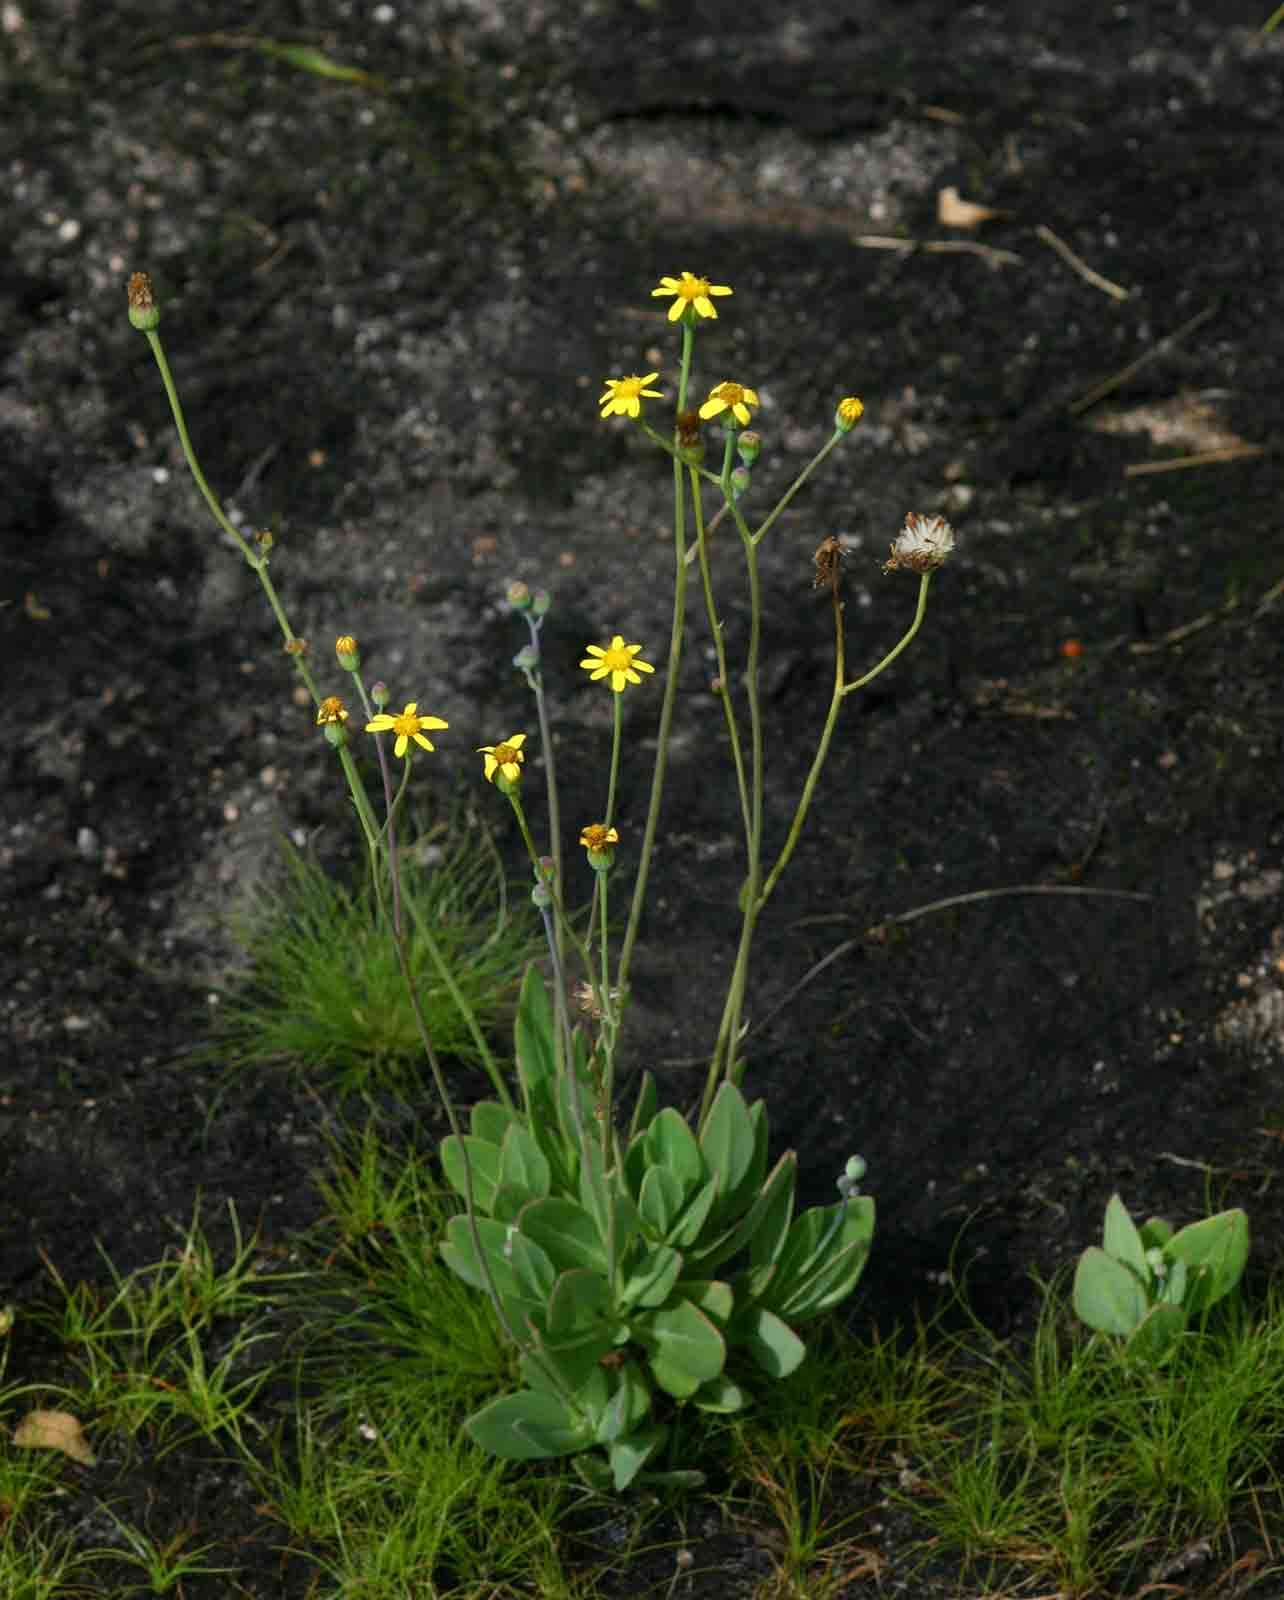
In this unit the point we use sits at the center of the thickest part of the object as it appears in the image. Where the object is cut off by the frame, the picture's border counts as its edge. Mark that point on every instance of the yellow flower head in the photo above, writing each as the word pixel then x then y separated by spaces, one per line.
pixel 409 725
pixel 618 661
pixel 624 396
pixel 348 652
pixel 849 413
pixel 597 837
pixel 331 709
pixel 690 292
pixel 733 397
pixel 505 759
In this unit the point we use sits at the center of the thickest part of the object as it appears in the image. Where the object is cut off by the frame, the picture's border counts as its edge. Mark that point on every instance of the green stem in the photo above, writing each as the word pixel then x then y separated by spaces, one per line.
pixel 797 484
pixel 670 692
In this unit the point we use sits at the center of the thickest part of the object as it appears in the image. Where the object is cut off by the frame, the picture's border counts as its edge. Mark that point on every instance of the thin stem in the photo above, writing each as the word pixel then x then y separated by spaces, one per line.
pixel 797 484
pixel 670 692
pixel 724 685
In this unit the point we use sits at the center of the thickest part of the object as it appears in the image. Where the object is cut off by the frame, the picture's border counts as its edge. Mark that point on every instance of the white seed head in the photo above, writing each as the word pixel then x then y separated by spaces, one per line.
pixel 922 544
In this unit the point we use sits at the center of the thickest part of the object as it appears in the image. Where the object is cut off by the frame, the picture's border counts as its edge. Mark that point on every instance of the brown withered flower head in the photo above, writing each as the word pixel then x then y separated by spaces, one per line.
pixel 829 564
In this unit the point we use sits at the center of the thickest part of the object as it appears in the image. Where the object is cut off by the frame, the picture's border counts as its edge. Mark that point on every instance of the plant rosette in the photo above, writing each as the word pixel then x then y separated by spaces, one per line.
pixel 1145 1284
pixel 636 1269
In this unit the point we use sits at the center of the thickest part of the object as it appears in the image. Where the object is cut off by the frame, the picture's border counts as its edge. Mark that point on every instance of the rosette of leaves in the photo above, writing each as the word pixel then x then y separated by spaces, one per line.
pixel 636 1265
pixel 1145 1284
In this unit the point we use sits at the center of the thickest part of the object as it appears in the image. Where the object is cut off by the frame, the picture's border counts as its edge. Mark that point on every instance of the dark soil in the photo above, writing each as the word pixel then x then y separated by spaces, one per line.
pixel 390 307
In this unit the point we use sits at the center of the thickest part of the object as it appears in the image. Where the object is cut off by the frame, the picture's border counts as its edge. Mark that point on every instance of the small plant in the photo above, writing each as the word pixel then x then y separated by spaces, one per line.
pixel 1145 1284
pixel 325 988
pixel 629 1266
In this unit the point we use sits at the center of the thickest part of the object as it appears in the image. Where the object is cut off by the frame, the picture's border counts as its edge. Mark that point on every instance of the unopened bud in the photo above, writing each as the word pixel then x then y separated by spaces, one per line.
pixel 379 693
pixel 740 479
pixel 144 313
pixel 348 651
pixel 541 603
pixel 519 597
pixel 849 413
pixel 749 446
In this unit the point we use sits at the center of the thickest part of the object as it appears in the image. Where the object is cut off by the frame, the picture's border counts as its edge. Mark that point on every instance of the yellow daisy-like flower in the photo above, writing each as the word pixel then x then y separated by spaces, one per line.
pixel 597 837
pixel 689 290
pixel 733 397
pixel 618 661
pixel 331 709
pixel 624 396
pixel 409 725
pixel 506 758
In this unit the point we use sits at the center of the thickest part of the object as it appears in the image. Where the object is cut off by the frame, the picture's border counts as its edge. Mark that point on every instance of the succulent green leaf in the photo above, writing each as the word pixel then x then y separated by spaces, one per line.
pixel 1175 1284
pixel 660 1200
pixel 715 1298
pixel 491 1121
pixel 770 1341
pixel 1155 1233
pixel 523 1164
pixel 684 1346
pixel 566 1232
pixel 531 1425
pixel 774 1212
pixel 458 1253
pixel 508 1202
pixel 630 1454
pixel 628 1406
pixel 720 1396
pixel 644 1107
pixel 573 1368
pixel 834 1271
pixel 690 1225
pixel 484 1160
pixel 1121 1240
pixel 1108 1295
pixel 532 1268
pixel 1215 1251
pixel 1157 1334
pixel 651 1282
pixel 580 1302
pixel 670 1144
pixel 728 1143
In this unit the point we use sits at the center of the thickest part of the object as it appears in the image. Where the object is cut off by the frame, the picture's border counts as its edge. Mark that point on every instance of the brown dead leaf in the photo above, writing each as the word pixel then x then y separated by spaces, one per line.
pixel 54 1430
pixel 952 211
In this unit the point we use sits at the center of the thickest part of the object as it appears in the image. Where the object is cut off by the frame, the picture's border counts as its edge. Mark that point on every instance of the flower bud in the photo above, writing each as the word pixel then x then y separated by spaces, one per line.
pixel 144 314
pixel 740 478
pixel 379 693
pixel 849 413
pixel 849 1183
pixel 519 597
pixel 348 652
pixel 749 446
pixel 542 601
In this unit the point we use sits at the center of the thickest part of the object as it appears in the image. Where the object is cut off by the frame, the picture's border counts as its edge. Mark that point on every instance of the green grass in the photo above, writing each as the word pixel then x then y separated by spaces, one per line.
pixel 339 1388
pixel 325 991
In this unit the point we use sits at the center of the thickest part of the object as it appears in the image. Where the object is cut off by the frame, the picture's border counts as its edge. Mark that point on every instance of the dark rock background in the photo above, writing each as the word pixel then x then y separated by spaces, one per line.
pixel 390 304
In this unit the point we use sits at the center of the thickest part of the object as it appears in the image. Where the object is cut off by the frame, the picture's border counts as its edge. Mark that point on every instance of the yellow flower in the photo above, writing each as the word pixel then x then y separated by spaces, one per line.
pixel 348 652
pixel 849 413
pixel 506 758
pixel 690 291
pixel 331 709
pixel 596 836
pixel 624 396
pixel 407 726
pixel 619 662
pixel 733 397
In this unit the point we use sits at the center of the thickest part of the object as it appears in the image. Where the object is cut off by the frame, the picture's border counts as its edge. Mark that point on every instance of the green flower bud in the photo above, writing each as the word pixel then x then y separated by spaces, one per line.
pixel 740 478
pixel 144 314
pixel 749 446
